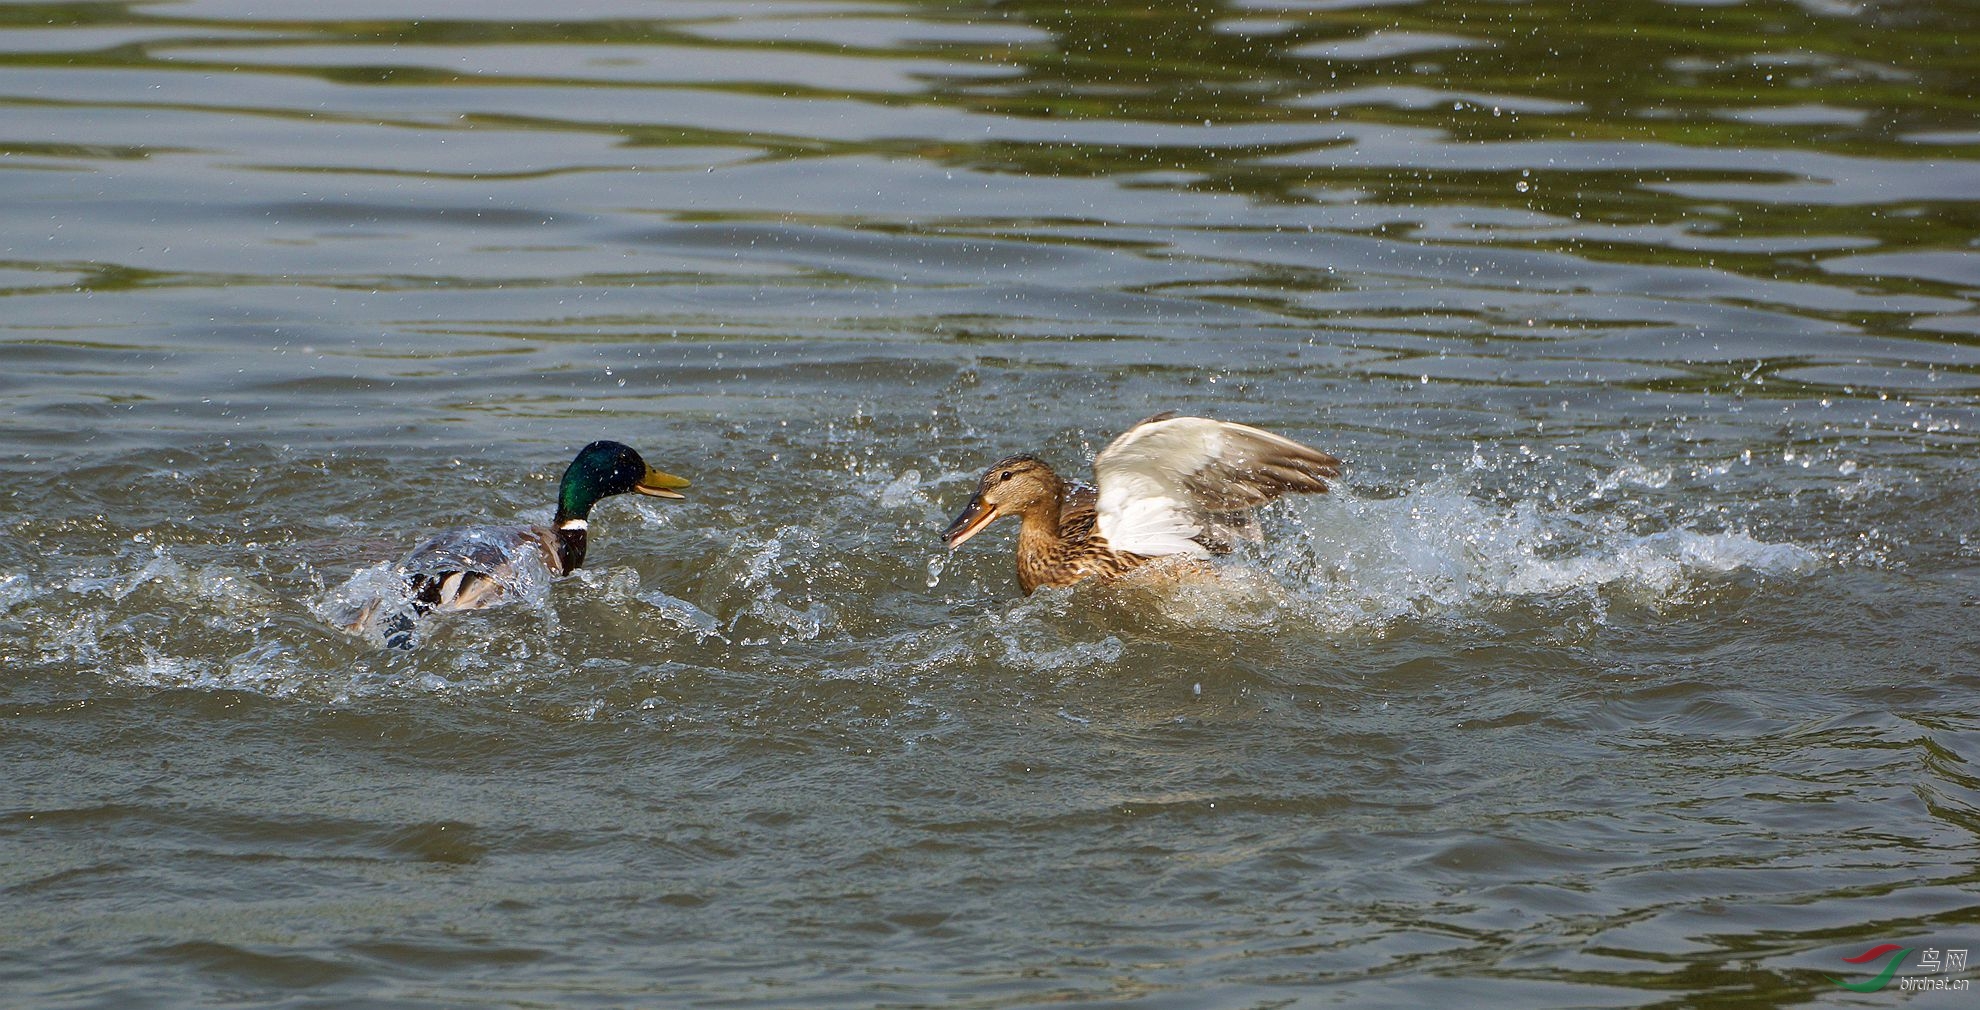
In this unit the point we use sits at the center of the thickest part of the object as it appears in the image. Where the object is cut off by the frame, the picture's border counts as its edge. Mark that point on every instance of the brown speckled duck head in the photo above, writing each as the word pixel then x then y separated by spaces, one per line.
pixel 1016 485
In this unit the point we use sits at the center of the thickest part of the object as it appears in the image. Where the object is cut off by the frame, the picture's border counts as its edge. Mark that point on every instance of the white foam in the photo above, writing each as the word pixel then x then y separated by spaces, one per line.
pixel 1352 561
pixel 225 588
pixel 269 669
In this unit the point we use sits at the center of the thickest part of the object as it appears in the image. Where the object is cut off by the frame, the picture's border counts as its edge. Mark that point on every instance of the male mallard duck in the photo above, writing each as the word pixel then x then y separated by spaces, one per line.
pixel 1168 486
pixel 477 566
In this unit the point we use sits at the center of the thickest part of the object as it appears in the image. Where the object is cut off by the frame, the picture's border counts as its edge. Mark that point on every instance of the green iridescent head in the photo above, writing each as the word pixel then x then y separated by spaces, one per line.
pixel 606 468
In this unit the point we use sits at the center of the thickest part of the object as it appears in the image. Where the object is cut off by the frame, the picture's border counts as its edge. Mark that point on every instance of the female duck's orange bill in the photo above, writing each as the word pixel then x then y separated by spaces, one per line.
pixel 975 516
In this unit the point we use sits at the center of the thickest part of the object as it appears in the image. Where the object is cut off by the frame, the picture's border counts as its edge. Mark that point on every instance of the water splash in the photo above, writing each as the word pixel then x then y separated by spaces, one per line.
pixel 1436 550
pixel 903 491
pixel 685 616
pixel 622 589
pixel 377 603
pixel 833 593
pixel 15 589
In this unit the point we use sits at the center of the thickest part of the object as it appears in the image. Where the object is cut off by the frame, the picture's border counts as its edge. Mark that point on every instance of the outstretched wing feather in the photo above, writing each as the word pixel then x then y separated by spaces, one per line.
pixel 1165 482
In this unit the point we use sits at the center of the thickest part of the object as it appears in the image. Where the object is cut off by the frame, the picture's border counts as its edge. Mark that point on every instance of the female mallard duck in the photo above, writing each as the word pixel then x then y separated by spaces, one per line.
pixel 1169 486
pixel 480 566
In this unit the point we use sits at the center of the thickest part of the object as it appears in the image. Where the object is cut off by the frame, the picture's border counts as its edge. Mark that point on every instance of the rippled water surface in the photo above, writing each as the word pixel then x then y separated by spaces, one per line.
pixel 1634 663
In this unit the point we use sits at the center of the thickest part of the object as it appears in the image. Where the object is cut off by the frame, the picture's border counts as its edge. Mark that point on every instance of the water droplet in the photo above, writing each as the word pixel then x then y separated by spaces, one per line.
pixel 935 566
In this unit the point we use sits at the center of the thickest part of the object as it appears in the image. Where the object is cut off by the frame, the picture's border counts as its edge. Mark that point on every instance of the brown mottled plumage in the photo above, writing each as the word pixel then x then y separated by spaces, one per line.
pixel 1167 486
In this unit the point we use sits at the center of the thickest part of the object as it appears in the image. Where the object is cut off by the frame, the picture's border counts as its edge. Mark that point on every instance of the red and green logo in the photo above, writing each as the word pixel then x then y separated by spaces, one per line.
pixel 1883 977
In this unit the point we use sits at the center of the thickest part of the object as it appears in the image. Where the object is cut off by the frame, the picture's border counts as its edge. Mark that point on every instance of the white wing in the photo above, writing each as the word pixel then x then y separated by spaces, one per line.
pixel 1164 481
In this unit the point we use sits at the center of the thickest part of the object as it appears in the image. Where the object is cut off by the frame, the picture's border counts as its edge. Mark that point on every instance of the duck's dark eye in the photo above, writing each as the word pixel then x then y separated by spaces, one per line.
pixel 1007 475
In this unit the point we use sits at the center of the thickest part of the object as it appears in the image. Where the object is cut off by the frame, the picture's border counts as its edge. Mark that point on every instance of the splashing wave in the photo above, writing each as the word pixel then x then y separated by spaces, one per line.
pixel 1438 550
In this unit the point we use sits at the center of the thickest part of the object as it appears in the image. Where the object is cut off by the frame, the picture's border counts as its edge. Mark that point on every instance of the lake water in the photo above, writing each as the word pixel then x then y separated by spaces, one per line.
pixel 1634 663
